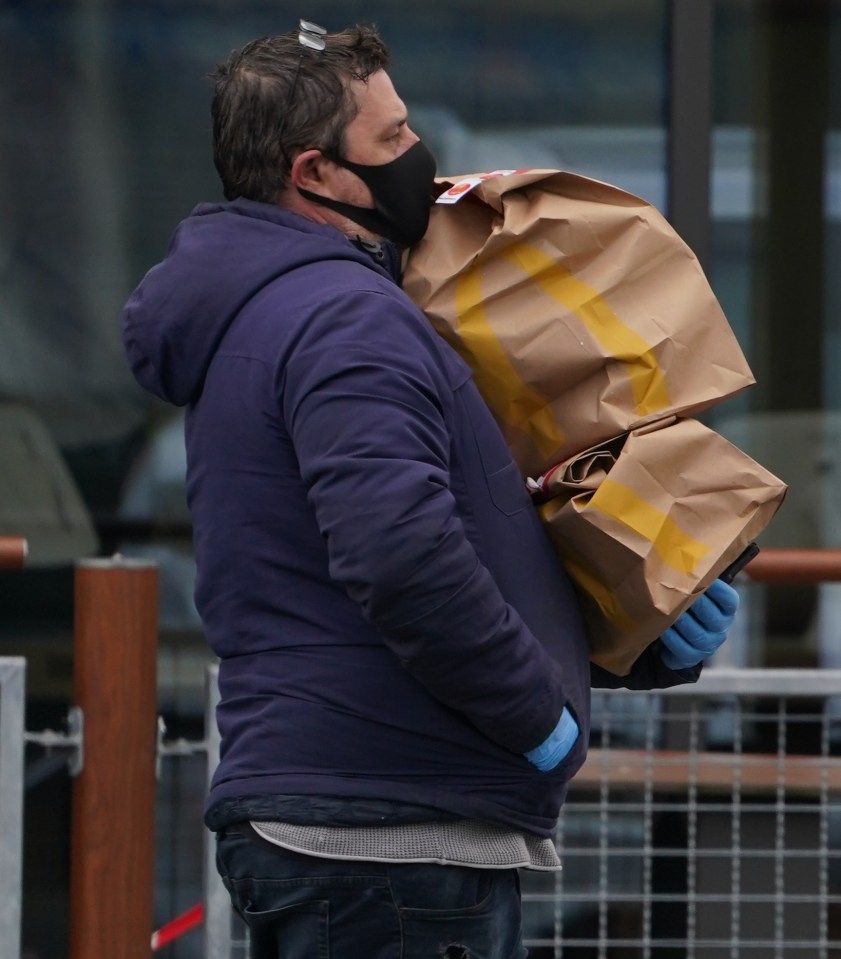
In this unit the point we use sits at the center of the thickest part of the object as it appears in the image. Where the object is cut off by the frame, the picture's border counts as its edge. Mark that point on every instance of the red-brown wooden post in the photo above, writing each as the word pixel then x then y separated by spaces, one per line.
pixel 113 811
pixel 796 566
pixel 12 552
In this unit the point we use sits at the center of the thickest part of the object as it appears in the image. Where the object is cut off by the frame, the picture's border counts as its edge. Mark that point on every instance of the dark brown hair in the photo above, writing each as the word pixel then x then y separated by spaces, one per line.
pixel 256 85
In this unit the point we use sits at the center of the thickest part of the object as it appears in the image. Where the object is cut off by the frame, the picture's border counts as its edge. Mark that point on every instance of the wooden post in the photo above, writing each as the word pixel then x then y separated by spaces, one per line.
pixel 12 552
pixel 113 806
pixel 796 567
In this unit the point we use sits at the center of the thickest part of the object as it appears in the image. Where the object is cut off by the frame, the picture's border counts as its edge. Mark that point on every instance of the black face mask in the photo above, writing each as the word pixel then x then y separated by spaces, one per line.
pixel 402 192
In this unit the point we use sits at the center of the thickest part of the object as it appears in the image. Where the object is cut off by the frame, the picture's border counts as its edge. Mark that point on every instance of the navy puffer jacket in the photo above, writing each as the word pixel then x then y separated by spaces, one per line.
pixel 390 618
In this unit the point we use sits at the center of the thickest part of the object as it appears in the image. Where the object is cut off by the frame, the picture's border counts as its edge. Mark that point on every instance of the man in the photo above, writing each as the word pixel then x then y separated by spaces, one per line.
pixel 403 671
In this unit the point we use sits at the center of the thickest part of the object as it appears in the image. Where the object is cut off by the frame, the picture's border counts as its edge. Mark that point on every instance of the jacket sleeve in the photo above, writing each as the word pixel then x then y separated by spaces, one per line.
pixel 363 399
pixel 648 672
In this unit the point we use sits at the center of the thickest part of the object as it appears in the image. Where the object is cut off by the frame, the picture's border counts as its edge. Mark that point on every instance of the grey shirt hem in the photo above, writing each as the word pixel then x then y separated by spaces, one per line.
pixel 460 843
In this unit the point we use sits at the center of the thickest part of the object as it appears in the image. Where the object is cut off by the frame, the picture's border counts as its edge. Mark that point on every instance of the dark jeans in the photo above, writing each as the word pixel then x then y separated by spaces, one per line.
pixel 304 907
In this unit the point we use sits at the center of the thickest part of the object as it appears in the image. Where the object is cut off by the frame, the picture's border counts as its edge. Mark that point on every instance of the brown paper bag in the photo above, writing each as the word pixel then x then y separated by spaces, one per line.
pixel 580 311
pixel 645 522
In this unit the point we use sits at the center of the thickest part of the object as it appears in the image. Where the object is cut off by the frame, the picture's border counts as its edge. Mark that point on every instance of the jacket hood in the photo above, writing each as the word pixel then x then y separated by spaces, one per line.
pixel 218 258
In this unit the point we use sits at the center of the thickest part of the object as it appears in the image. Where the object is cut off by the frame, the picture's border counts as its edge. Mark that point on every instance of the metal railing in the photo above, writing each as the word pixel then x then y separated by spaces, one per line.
pixel 12 687
pixel 704 824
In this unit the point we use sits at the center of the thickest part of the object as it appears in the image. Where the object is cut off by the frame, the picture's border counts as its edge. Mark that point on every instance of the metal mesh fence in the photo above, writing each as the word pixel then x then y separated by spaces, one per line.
pixel 704 825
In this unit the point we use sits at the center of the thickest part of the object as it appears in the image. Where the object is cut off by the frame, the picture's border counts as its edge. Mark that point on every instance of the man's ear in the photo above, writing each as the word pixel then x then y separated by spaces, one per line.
pixel 312 171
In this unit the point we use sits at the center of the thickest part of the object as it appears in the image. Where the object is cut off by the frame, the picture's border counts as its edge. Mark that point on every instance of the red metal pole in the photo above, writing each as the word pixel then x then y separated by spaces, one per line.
pixel 12 552
pixel 113 813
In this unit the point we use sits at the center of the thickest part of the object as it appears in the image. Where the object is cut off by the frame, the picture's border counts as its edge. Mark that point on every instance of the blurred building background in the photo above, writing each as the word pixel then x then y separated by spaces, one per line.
pixel 726 114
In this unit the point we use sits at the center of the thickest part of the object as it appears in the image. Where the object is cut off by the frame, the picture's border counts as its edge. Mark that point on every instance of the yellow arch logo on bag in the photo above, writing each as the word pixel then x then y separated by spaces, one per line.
pixel 675 547
pixel 500 384
pixel 512 400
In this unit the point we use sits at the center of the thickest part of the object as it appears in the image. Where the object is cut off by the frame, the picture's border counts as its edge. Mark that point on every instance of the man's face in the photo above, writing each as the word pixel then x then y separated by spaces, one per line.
pixel 378 133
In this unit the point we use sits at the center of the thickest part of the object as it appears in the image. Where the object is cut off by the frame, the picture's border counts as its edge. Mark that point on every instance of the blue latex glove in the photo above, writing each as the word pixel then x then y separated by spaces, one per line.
pixel 554 750
pixel 698 632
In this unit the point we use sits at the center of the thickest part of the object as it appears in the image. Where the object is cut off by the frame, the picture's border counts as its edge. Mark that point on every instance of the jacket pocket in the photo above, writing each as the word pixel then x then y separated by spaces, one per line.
pixel 507 489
